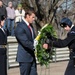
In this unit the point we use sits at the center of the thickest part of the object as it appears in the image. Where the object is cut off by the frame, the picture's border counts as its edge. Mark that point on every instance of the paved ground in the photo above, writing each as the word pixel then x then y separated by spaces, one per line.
pixel 57 68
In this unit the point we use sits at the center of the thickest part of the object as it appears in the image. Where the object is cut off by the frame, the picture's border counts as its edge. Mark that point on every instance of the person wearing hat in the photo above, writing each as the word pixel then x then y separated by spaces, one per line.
pixel 19 13
pixel 69 41
pixel 3 50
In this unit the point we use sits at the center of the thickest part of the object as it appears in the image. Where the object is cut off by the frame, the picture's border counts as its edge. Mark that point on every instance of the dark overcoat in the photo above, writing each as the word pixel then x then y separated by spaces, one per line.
pixel 3 53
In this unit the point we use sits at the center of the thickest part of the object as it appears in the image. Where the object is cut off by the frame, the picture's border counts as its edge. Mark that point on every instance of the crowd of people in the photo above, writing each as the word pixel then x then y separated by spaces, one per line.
pixel 12 15
pixel 25 35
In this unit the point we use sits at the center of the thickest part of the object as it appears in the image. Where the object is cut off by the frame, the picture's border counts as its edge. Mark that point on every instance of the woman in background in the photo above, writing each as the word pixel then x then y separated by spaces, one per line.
pixel 19 13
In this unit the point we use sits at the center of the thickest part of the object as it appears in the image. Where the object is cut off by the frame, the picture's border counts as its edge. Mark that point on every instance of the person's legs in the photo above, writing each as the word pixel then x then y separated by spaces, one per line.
pixel 12 27
pixel 25 68
pixel 8 26
pixel 33 69
pixel 70 70
pixel 3 62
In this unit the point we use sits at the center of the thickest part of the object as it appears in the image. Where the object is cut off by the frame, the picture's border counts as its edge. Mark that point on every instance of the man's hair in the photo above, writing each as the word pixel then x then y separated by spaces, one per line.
pixel 0 0
pixel 29 11
pixel 2 17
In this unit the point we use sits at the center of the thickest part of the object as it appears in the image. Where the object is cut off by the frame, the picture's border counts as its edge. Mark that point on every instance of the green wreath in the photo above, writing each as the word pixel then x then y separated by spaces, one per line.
pixel 44 56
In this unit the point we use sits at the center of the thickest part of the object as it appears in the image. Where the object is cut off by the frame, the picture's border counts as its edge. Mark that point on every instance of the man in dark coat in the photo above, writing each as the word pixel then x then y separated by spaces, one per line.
pixel 3 50
pixel 3 12
pixel 68 41
pixel 24 33
pixel 2 9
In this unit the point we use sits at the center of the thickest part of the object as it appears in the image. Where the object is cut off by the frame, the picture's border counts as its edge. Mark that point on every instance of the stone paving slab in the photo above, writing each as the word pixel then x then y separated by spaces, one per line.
pixel 57 68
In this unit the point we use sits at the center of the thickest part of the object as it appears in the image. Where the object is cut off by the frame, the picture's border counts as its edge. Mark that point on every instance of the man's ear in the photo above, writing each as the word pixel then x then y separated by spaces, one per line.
pixel 27 15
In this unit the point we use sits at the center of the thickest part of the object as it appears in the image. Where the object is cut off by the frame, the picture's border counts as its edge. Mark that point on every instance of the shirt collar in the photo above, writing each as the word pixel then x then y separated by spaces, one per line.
pixel 25 21
pixel 72 26
pixel 2 29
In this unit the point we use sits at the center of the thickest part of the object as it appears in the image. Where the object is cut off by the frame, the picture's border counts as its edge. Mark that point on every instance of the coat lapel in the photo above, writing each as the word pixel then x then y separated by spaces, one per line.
pixel 26 28
pixel 4 34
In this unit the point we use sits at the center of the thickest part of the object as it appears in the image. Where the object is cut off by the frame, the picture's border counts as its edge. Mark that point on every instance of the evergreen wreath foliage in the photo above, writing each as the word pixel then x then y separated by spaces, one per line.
pixel 44 56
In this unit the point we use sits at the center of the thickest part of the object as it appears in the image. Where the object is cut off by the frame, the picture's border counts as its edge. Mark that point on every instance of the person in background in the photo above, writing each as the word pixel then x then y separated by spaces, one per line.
pixel 68 41
pixel 19 14
pixel 10 18
pixel 3 50
pixel 3 12
pixel 25 35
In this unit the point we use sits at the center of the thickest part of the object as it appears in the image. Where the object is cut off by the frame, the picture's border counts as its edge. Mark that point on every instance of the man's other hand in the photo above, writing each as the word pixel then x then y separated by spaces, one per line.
pixel 45 46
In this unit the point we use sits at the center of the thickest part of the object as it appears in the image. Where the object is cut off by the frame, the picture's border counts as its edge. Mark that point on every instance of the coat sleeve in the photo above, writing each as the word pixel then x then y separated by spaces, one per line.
pixel 65 42
pixel 23 39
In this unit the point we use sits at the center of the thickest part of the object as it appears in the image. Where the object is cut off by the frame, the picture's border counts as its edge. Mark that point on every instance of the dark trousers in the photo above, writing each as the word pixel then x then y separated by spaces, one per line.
pixel 70 70
pixel 28 68
pixel 3 62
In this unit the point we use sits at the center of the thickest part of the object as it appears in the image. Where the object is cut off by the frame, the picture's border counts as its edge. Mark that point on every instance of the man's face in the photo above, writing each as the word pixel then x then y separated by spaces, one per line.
pixel 31 18
pixel 1 3
pixel 2 23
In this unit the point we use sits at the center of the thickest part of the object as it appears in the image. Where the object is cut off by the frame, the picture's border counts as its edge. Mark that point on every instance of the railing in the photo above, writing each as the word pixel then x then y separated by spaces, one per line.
pixel 60 53
pixel 12 51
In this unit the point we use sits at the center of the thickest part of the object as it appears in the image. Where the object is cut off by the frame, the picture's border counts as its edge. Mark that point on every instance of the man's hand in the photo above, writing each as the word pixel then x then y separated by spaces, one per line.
pixel 45 46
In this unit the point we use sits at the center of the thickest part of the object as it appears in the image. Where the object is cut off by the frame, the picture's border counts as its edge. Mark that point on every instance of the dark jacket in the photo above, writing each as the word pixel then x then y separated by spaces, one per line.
pixel 3 11
pixel 3 38
pixel 3 53
pixel 25 43
pixel 68 41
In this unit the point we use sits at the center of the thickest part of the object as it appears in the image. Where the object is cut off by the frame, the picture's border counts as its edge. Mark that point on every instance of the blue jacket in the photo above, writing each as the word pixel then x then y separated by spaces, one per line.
pixel 23 35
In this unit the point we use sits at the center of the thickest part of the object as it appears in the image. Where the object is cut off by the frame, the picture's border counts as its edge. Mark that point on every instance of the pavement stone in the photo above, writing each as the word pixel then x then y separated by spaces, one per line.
pixel 56 68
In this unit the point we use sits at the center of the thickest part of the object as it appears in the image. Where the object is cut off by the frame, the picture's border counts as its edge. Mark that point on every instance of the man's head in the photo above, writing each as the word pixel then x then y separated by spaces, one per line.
pixel 10 4
pixel 1 3
pixel 30 15
pixel 66 23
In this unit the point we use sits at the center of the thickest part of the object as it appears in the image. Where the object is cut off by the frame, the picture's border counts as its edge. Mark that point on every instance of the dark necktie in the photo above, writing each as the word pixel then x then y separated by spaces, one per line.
pixel 31 31
pixel 30 28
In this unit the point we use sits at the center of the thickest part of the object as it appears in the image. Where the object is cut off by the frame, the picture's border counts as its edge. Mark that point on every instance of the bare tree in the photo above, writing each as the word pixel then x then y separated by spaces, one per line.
pixel 45 10
pixel 48 11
